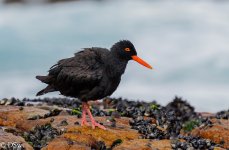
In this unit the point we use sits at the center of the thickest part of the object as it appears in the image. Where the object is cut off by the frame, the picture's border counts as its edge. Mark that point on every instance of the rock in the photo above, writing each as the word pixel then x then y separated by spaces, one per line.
pixel 63 123
pixel 206 114
pixel 52 120
pixel 79 147
pixel 10 101
pixel 218 133
pixel 76 123
pixel 223 114
pixel 190 142
pixel 54 112
pixel 83 139
pixel 19 103
pixel 64 144
pixel 9 140
pixel 21 108
pixel 115 114
pixel 58 143
pixel 138 144
pixel 50 127
pixel 13 117
pixel 14 131
pixel 29 104
pixel 3 101
pixel 33 117
pixel 79 134
pixel 112 121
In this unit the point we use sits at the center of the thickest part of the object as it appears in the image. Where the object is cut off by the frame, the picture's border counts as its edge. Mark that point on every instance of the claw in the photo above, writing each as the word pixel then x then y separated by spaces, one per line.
pixel 95 124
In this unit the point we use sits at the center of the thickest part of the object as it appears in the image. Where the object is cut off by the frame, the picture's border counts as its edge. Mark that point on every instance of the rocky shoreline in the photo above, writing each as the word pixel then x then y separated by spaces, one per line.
pixel 54 123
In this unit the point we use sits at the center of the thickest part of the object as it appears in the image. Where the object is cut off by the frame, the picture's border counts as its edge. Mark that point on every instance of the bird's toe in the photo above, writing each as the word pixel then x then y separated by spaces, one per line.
pixel 95 124
pixel 84 122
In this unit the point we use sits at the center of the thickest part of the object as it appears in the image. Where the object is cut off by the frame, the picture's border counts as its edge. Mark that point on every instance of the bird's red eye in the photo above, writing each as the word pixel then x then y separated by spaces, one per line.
pixel 127 49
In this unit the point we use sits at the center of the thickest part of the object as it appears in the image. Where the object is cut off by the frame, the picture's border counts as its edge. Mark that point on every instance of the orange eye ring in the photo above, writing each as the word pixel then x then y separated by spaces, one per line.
pixel 127 49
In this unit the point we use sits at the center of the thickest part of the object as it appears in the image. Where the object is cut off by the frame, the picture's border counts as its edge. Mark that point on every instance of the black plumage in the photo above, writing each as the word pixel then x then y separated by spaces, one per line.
pixel 92 73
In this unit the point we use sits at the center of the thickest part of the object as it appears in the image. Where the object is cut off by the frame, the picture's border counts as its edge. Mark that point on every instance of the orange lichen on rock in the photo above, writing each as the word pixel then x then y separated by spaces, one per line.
pixel 13 117
pixel 108 136
pixel 145 144
pixel 61 143
pixel 58 143
pixel 6 122
pixel 79 147
pixel 28 125
pixel 80 138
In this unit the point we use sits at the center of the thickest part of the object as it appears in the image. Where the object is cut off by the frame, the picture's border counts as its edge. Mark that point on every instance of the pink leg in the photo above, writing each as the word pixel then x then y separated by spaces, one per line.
pixel 84 111
pixel 93 122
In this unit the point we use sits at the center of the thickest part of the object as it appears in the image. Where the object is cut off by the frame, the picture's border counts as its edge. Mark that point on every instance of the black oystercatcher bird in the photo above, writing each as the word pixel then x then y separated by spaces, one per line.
pixel 91 74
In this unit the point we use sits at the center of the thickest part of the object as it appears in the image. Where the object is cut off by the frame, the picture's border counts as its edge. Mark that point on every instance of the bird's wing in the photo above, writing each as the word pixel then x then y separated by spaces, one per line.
pixel 85 68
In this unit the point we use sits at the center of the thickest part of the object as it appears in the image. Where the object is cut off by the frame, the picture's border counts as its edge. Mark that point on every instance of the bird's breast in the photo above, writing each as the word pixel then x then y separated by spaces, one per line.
pixel 110 85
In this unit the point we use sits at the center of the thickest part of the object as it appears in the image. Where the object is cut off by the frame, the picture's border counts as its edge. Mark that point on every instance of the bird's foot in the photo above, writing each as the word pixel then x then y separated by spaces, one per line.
pixel 95 124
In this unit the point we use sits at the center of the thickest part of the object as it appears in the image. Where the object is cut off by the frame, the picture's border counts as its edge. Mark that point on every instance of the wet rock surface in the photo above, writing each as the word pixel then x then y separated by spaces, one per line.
pixel 55 124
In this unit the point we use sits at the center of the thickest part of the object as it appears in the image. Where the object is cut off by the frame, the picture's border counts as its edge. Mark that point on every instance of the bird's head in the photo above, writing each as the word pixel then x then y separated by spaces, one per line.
pixel 125 50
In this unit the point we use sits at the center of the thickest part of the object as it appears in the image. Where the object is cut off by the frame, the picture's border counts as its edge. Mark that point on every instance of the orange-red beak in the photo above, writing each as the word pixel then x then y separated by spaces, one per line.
pixel 142 62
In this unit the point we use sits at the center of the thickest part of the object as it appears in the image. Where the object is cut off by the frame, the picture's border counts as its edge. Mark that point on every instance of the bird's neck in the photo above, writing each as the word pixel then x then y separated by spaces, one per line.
pixel 115 66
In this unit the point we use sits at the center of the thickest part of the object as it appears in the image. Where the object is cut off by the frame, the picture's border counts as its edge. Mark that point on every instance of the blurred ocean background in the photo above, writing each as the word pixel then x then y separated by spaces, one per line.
pixel 186 41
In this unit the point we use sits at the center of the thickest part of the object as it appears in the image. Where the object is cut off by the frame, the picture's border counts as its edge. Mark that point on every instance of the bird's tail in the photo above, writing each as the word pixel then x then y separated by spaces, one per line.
pixel 49 88
pixel 45 79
